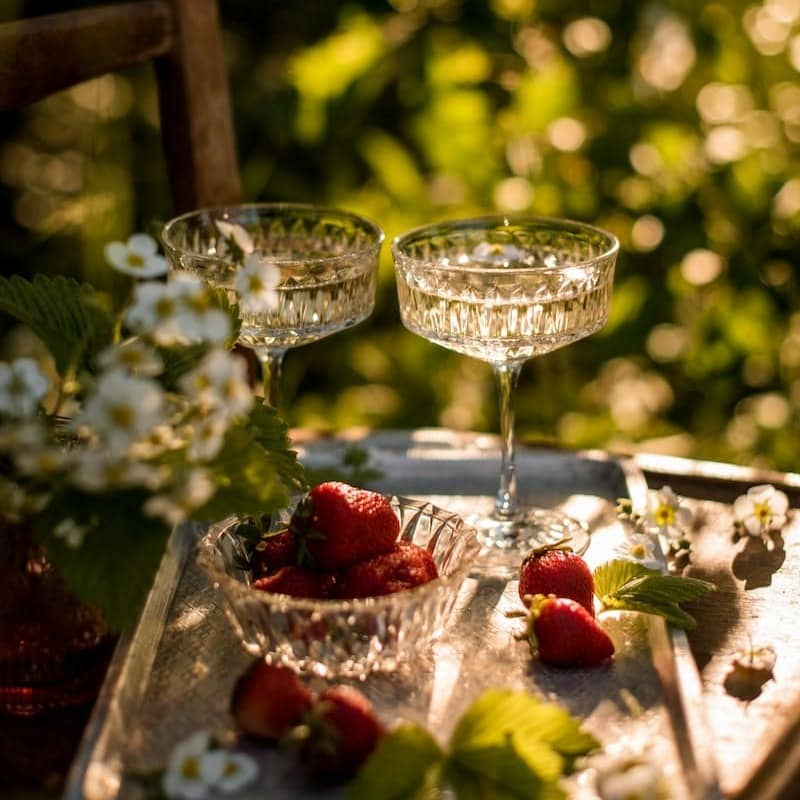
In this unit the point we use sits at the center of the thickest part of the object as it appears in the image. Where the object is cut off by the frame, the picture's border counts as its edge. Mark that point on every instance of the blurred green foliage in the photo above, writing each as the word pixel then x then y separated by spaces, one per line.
pixel 674 124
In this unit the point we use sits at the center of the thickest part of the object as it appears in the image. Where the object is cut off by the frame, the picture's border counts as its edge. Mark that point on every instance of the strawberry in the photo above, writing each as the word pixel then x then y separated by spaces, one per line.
pixel 343 730
pixel 564 634
pixel 298 582
pixel 273 551
pixel 404 566
pixel 554 569
pixel 268 700
pixel 337 524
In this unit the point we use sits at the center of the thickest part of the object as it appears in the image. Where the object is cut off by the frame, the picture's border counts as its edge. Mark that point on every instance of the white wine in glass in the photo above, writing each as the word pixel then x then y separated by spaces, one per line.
pixel 325 263
pixel 505 290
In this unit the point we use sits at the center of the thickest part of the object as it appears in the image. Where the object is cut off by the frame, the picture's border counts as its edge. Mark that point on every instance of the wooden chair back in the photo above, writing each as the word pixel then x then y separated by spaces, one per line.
pixel 42 55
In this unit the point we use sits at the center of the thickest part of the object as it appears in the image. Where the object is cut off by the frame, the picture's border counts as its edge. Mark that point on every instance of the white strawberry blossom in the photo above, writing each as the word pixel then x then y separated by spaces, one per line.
pixel 71 532
pixel 666 514
pixel 636 781
pixel 196 767
pixel 763 509
pixel 641 548
pixel 220 382
pixel 198 319
pixel 41 461
pixel 122 409
pixel 206 436
pixel 189 774
pixel 237 234
pixel 154 311
pixel 193 491
pixel 256 285
pixel 179 312
pixel 138 257
pixel 133 356
pixel 95 471
pixel 236 770
pixel 23 385
pixel 497 253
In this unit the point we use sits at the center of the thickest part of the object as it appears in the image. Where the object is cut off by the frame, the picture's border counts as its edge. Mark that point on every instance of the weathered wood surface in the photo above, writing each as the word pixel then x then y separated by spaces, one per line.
pixel 756 729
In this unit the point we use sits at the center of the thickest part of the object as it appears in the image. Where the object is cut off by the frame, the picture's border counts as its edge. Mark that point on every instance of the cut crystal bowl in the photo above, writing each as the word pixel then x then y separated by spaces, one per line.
pixel 345 637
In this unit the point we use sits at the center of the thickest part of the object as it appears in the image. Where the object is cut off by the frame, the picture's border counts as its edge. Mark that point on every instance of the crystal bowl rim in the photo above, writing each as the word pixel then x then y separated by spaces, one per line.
pixel 371 228
pixel 497 222
pixel 285 602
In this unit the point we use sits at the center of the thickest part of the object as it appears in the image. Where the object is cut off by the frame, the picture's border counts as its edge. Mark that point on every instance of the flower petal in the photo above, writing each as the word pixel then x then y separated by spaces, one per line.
pixel 779 503
pixel 742 507
pixel 116 254
pixel 143 245
pixel 752 525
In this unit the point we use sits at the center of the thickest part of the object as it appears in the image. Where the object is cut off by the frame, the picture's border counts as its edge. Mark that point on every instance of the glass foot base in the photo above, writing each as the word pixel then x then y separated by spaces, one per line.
pixel 530 529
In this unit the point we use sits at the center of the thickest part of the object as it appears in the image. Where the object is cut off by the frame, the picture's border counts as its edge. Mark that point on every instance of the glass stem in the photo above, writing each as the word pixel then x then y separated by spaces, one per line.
pixel 271 361
pixel 505 504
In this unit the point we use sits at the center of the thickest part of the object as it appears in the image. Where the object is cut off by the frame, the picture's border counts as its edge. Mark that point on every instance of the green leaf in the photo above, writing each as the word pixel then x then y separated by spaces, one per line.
pixel 271 432
pixel 67 316
pixel 248 483
pixel 543 735
pixel 178 361
pixel 629 586
pixel 115 565
pixel 499 767
pixel 612 575
pixel 401 767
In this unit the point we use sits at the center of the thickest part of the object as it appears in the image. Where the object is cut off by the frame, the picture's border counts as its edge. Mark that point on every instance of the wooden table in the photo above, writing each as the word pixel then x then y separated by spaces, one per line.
pixel 756 733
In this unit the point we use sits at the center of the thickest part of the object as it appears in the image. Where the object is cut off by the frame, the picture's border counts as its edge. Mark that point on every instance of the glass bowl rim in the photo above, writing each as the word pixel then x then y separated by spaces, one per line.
pixel 284 602
pixel 371 228
pixel 499 221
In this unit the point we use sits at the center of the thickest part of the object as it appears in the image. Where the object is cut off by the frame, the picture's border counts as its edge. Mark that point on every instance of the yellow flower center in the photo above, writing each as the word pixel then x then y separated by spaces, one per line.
pixel 190 769
pixel 255 284
pixel 121 415
pixel 664 515
pixel 131 357
pixel 638 550
pixel 165 308
pixel 134 260
pixel 17 386
pixel 763 513
pixel 230 768
pixel 198 302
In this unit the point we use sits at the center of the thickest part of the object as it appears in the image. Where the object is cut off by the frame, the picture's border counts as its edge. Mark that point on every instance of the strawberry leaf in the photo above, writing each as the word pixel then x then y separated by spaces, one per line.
pixel 404 765
pixel 626 585
pixel 114 578
pixel 493 771
pixel 67 316
pixel 542 736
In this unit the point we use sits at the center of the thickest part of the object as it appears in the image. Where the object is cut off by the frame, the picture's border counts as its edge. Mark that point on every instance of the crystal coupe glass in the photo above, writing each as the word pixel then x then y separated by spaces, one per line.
pixel 504 290
pixel 325 261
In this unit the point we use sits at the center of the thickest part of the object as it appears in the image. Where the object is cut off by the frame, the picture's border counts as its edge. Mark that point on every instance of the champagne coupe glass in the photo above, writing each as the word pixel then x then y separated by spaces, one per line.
pixel 505 290
pixel 325 261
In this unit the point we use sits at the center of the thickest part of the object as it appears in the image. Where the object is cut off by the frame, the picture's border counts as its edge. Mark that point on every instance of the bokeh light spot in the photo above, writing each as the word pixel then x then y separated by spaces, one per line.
pixel 700 266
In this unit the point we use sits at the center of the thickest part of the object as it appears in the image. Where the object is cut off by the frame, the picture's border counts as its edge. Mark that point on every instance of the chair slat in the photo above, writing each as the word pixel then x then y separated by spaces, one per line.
pixel 41 55
pixel 196 121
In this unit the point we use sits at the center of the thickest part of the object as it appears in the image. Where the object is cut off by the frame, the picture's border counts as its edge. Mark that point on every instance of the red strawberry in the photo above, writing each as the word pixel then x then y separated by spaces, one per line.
pixel 564 634
pixel 343 732
pixel 554 569
pixel 268 700
pixel 273 551
pixel 406 565
pixel 337 524
pixel 298 582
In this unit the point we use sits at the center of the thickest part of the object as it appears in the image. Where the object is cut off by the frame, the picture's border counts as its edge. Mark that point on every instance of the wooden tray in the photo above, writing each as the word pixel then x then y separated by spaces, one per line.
pixel 175 673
